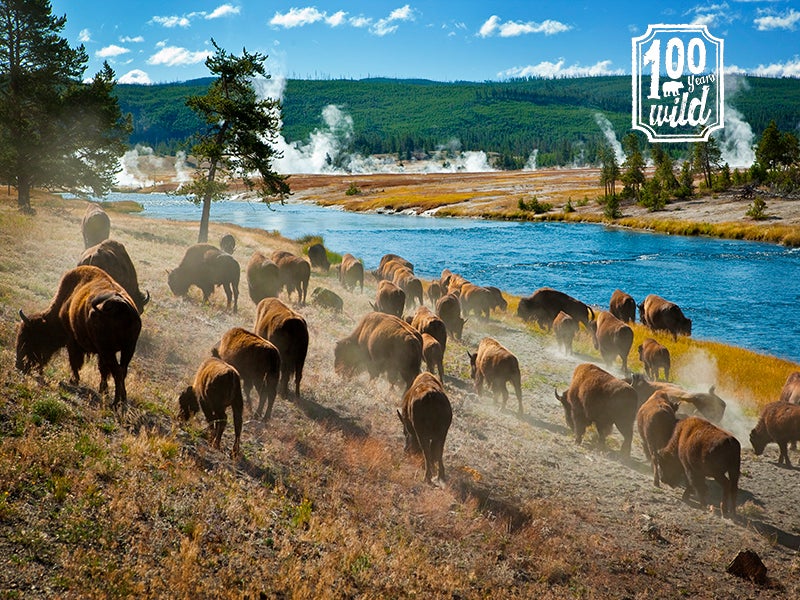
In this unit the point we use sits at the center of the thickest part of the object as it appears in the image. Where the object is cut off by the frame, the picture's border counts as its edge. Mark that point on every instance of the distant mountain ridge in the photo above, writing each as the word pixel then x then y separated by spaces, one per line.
pixel 412 117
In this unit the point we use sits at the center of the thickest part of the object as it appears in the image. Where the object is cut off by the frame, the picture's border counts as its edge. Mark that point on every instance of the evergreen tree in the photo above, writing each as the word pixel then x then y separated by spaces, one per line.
pixel 706 158
pixel 609 170
pixel 633 177
pixel 769 151
pixel 55 130
pixel 240 130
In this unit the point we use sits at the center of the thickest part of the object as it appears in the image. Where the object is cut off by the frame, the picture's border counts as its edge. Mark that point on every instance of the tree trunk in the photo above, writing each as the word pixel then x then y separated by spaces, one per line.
pixel 202 237
pixel 24 194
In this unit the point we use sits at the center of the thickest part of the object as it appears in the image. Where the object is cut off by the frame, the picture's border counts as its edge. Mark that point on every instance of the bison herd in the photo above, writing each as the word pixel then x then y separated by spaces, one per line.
pixel 97 308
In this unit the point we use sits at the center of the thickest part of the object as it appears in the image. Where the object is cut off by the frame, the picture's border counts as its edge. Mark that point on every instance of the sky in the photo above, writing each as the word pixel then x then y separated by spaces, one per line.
pixel 158 42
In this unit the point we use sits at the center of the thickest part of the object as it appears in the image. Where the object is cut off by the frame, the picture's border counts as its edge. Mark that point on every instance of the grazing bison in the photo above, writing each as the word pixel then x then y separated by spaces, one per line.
pixel 699 449
pixel 327 298
pixel 565 328
pixel 709 405
pixel 433 355
pixel 288 332
pixel 263 277
pixel 351 272
pixel 381 344
pixel 206 267
pixel 595 396
pixel 498 301
pixel 612 337
pixel 656 421
pixel 435 292
pixel 662 315
pixel 294 273
pixel 449 310
pixel 496 365
pixel 216 387
pixel 227 243
pixel 112 257
pixel 426 416
pixel 780 423
pixel 95 226
pixel 476 299
pixel 622 306
pixel 258 363
pixel 545 303
pixel 654 357
pixel 389 299
pixel 90 314
pixel 319 257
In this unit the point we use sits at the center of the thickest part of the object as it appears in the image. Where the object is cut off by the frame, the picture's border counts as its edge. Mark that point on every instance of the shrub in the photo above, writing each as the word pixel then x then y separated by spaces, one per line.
pixel 353 190
pixel 757 209
pixel 568 208
pixel 611 207
pixel 534 205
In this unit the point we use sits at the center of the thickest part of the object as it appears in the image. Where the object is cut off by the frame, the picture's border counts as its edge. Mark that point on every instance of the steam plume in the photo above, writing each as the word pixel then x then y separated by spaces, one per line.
pixel 608 131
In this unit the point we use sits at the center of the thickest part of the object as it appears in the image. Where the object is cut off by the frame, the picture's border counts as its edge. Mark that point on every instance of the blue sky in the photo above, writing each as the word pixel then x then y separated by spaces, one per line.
pixel 154 42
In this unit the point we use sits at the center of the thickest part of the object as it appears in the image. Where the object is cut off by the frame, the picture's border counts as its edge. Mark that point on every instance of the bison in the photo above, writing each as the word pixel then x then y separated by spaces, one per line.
pixel 654 357
pixel 565 328
pixel 90 314
pixel 622 306
pixel 318 257
pixel 791 389
pixel 612 337
pixel 112 257
pixel 405 279
pixel 662 315
pixel 389 299
pixel 294 273
pixel 711 406
pixel 433 354
pixel 498 301
pixel 698 449
pixel 288 332
pixel 216 387
pixel 351 272
pixel 206 267
pixel 655 421
pixel 227 243
pixel 426 416
pixel 263 277
pixel 496 365
pixel 385 270
pixel 779 422
pixel 545 303
pixel 434 292
pixel 596 396
pixel 327 298
pixel 381 344
pixel 95 225
pixel 258 363
pixel 425 321
pixel 476 299
pixel 448 308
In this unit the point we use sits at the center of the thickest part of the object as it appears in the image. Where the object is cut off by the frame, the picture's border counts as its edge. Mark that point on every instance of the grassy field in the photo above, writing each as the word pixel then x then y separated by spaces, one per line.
pixel 322 504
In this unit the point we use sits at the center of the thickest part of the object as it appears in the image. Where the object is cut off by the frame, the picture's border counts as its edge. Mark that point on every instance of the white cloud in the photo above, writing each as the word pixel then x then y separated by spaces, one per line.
pixel 111 51
pixel 171 22
pixel 172 56
pixel 790 68
pixel 308 15
pixel 493 26
pixel 552 70
pixel 297 17
pixel 135 76
pixel 85 36
pixel 360 22
pixel 390 24
pixel 131 40
pixel 336 18
pixel 787 20
pixel 223 10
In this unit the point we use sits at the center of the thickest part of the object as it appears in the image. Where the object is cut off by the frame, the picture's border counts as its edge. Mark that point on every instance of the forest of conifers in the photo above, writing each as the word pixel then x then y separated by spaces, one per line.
pixel 413 117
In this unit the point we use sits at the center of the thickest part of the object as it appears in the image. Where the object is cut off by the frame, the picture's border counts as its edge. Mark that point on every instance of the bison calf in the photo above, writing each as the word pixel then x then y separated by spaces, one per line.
pixel 655 422
pixel 565 328
pixel 426 416
pixel 780 423
pixel 216 387
pixel 496 365
pixel 654 357
pixel 612 337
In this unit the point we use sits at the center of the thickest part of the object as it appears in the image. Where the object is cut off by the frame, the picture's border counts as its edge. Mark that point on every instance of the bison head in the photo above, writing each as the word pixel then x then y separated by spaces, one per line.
pixel 759 440
pixel 178 283
pixel 473 364
pixel 671 469
pixel 567 408
pixel 37 341
pixel 188 404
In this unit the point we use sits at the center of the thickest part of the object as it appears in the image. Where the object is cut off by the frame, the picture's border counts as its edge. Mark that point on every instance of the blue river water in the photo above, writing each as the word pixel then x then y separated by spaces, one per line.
pixel 741 293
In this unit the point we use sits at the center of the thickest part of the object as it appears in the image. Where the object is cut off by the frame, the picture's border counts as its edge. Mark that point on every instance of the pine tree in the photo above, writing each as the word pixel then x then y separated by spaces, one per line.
pixel 633 177
pixel 706 157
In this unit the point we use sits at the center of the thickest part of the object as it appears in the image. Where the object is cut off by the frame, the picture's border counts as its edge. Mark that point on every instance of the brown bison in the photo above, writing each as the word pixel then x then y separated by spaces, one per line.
pixel 327 299
pixel 258 363
pixel 496 365
pixel 381 344
pixel 498 301
pixel 709 405
pixel 263 277
pixel 622 306
pixel 612 337
pixel 448 308
pixel 206 267
pixel 476 299
pixel 351 272
pixel 595 396
pixel 433 355
pixel 389 299
pixel 545 303
pixel 318 257
pixel 426 416
pixel 662 315
pixel 394 258
pixel 655 421
pixel 425 321
pixel 294 273
pixel 791 389
pixel 699 449
pixel 435 292
pixel 405 279
pixel 90 314
pixel 654 357
pixel 565 328
pixel 112 257
pixel 780 423
pixel 95 225
pixel 216 387
pixel 227 243
pixel 288 332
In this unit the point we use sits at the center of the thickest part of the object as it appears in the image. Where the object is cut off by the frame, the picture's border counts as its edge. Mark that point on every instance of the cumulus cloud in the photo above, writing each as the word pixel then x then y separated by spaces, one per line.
pixel 135 76
pixel 790 68
pixel 336 18
pixel 297 17
pixel 552 70
pixel 172 56
pixel 769 21
pixel 711 15
pixel 170 22
pixel 111 51
pixel 389 24
pixel 85 36
pixel 494 26
pixel 308 15
pixel 131 40
pixel 223 10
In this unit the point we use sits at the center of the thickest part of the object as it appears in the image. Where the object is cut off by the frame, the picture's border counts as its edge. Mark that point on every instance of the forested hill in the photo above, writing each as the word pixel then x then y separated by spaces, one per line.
pixel 404 117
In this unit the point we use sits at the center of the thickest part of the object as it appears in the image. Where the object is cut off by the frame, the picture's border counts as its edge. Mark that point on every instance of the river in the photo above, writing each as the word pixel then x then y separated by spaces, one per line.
pixel 735 292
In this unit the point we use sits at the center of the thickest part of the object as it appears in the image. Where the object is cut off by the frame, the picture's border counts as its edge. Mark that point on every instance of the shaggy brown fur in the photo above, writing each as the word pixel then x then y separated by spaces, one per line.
pixel 496 365
pixel 288 331
pixel 655 422
pixel 655 357
pixel 612 337
pixel 263 277
pixel 294 273
pixel 111 256
pixel 662 315
pixel 779 422
pixel 622 306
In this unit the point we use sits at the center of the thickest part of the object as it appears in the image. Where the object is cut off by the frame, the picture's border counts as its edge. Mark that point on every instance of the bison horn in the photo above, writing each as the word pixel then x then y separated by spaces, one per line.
pixel 23 317
pixel 146 297
pixel 559 398
pixel 591 313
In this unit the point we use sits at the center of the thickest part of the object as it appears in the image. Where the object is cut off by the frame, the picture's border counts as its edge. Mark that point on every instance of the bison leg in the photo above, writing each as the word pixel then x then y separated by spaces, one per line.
pixel 228 293
pixel 784 455
pixel 517 383
pixel 76 358
pixel 237 427
pixel 298 375
pixel 697 482
pixel 437 450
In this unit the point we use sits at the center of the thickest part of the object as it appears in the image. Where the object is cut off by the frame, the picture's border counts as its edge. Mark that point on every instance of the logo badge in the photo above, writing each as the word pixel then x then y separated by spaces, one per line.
pixel 678 88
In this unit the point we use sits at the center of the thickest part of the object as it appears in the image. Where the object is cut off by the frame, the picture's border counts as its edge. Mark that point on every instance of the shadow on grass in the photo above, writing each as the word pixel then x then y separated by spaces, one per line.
pixel 322 414
pixel 500 508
